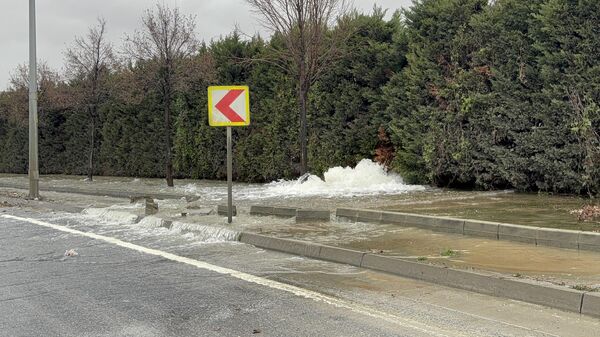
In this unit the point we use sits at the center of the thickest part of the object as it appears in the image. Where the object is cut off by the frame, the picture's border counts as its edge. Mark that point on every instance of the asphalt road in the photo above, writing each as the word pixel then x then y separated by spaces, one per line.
pixel 113 291
pixel 125 282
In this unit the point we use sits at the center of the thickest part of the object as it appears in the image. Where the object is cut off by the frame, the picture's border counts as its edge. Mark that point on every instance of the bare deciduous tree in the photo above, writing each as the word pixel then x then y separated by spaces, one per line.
pixel 311 46
pixel 88 63
pixel 19 78
pixel 166 39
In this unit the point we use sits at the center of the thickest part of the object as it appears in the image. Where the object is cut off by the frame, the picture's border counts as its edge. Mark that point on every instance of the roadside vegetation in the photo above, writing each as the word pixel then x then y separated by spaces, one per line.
pixel 455 93
pixel 448 253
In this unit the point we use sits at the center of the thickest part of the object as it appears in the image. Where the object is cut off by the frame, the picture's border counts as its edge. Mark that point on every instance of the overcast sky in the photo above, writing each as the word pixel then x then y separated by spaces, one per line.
pixel 58 21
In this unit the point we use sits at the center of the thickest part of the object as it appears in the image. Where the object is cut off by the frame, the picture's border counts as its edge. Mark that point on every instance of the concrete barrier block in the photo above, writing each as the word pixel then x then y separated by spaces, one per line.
pixel 422 221
pixel 517 233
pixel 284 212
pixel 404 268
pixel 548 295
pixel 222 210
pixel 393 217
pixel 312 214
pixel 558 238
pixel 261 210
pixel 166 224
pixel 341 255
pixel 200 212
pixel 591 304
pixel 448 225
pixel 471 281
pixel 521 290
pixel 481 228
pixel 589 241
pixel 282 245
pixel 346 213
pixel 368 216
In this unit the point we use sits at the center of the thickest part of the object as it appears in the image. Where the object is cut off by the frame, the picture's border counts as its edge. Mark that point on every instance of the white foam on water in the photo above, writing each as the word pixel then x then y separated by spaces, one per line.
pixel 111 215
pixel 367 178
pixel 151 222
pixel 208 234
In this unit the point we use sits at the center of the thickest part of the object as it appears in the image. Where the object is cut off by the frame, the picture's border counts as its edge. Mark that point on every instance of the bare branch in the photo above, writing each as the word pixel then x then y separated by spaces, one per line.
pixel 167 40
pixel 311 46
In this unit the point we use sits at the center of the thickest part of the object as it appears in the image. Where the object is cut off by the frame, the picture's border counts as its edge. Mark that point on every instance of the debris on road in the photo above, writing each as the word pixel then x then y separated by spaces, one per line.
pixel 71 253
pixel 587 213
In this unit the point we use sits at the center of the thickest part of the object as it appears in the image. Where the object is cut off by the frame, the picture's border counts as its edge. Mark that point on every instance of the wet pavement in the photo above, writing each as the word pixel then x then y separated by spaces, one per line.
pixel 571 268
pixel 109 290
pixel 541 210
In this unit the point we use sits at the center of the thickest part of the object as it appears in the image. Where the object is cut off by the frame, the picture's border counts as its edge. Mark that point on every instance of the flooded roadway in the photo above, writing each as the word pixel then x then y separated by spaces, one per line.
pixel 367 187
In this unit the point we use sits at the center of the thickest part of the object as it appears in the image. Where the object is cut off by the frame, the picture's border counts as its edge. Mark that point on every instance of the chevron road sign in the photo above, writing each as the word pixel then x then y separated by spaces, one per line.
pixel 229 106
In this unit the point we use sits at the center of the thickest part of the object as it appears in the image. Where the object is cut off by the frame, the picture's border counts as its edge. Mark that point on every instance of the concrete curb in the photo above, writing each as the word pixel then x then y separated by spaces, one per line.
pixel 285 212
pixel 589 241
pixel 560 238
pixel 281 245
pixel 301 214
pixel 105 193
pixel 223 210
pixel 591 304
pixel 312 214
pixel 490 284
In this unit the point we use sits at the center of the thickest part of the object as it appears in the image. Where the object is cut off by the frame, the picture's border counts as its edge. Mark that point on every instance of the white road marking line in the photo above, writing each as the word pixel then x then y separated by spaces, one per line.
pixel 304 293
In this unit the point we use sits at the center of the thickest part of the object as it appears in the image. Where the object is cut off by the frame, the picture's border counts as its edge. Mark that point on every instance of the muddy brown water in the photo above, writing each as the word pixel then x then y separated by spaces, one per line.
pixel 540 210
pixel 559 266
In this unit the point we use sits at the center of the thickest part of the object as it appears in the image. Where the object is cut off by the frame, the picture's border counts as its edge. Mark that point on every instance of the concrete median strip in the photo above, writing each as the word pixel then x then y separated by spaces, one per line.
pixel 490 284
pixel 312 214
pixel 449 225
pixel 285 212
pixel 481 229
pixel 517 233
pixel 261 210
pixel 281 245
pixel 368 216
pixel 301 214
pixel 591 304
pixel 346 213
pixel 560 238
pixel 393 217
pixel 222 210
pixel 589 241
pixel 341 255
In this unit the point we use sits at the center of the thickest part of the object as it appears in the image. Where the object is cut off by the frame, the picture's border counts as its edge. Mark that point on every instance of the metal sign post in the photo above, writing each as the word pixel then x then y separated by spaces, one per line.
pixel 229 106
pixel 229 178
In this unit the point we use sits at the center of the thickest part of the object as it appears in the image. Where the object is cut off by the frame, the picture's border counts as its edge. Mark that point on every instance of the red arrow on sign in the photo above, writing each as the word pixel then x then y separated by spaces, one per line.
pixel 224 105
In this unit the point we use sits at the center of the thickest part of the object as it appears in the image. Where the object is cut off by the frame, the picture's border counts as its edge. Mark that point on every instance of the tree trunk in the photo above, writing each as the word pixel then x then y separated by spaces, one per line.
pixel 169 160
pixel 91 153
pixel 168 96
pixel 303 98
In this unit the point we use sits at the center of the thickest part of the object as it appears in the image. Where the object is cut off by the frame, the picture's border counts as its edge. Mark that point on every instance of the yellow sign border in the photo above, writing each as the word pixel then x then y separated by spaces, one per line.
pixel 228 87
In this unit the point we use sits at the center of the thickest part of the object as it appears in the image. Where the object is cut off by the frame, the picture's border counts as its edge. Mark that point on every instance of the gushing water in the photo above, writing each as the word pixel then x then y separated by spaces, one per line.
pixel 209 234
pixel 367 178
pixel 111 215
